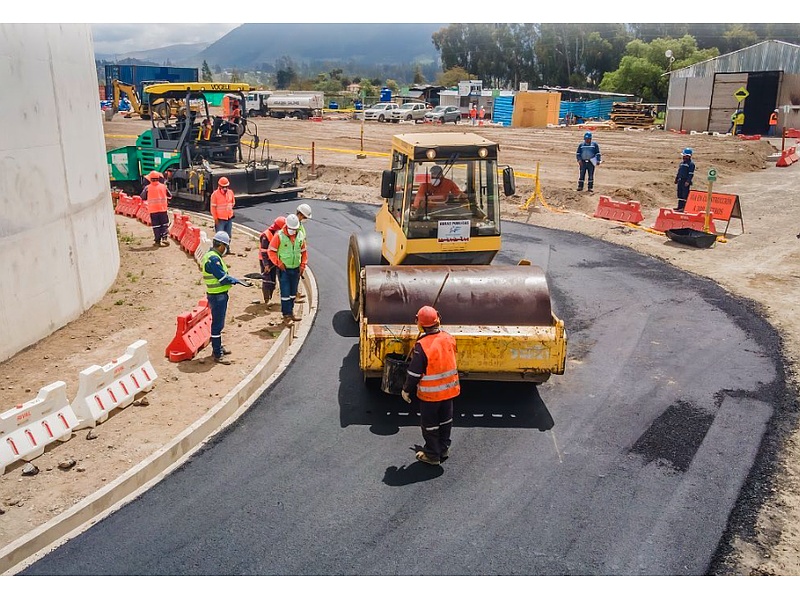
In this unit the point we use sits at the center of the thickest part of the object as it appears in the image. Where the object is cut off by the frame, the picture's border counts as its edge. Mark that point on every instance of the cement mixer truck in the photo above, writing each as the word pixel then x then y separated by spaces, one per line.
pixel 430 251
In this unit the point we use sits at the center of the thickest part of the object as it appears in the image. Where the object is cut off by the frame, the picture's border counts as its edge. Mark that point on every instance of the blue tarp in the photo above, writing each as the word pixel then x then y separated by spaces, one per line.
pixel 591 109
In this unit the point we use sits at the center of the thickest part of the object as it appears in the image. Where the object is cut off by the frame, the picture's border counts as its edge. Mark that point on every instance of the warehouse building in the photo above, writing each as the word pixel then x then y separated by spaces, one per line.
pixel 757 79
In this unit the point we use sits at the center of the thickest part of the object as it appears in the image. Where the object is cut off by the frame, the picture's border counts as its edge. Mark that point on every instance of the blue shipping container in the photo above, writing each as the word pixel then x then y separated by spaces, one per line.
pixel 137 74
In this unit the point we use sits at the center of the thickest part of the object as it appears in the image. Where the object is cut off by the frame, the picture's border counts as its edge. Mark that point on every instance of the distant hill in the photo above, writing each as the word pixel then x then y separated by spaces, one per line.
pixel 179 55
pixel 256 44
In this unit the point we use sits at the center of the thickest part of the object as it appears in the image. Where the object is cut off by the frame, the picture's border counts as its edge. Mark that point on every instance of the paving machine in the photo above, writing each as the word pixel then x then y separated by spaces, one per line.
pixel 440 253
pixel 193 157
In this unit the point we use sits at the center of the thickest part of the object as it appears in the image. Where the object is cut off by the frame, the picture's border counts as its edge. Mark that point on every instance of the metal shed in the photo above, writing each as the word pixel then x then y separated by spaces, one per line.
pixel 703 96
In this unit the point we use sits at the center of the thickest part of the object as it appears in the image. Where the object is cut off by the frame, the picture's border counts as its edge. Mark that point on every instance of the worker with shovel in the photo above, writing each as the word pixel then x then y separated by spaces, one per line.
pixel 268 269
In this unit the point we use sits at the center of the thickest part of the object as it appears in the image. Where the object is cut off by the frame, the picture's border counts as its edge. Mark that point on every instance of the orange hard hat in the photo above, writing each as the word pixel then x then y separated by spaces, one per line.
pixel 153 175
pixel 223 182
pixel 279 223
pixel 427 316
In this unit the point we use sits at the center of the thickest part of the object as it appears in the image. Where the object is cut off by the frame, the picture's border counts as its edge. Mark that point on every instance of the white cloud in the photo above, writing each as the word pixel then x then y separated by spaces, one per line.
pixel 118 38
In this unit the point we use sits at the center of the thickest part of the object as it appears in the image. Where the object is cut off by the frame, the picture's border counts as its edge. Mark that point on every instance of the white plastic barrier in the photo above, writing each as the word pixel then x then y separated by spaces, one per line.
pixel 203 247
pixel 28 428
pixel 114 385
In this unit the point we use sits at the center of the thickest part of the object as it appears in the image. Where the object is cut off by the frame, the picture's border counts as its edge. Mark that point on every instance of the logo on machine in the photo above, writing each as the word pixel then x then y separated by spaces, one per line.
pixel 453 231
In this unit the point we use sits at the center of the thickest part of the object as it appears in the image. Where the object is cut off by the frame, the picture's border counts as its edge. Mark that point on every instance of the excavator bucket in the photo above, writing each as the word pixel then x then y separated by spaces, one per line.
pixel 501 318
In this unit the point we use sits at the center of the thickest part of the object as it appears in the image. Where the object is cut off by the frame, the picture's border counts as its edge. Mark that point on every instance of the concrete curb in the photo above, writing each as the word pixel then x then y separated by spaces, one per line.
pixel 133 483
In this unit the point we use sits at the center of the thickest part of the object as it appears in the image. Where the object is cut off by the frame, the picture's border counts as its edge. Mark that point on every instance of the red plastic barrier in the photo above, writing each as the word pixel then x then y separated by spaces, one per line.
pixel 192 335
pixel 178 227
pixel 749 137
pixel 143 214
pixel 191 238
pixel 788 157
pixel 671 219
pixel 123 201
pixel 132 206
pixel 626 212
pixel 791 132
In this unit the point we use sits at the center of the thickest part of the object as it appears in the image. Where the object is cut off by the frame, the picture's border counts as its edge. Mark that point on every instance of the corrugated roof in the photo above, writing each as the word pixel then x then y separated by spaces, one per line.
pixel 770 55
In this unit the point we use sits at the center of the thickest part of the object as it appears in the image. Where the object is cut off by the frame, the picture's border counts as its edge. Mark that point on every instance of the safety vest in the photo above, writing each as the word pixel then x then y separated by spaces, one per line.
pixel 440 381
pixel 156 198
pixel 773 119
pixel 213 286
pixel 266 236
pixel 290 253
pixel 222 204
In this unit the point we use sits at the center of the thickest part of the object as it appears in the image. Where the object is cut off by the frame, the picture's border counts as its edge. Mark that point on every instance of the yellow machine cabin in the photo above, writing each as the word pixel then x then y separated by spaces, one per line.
pixel 434 241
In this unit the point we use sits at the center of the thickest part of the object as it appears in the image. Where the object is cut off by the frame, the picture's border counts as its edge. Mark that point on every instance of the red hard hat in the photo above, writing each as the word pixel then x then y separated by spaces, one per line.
pixel 427 316
pixel 279 223
pixel 223 181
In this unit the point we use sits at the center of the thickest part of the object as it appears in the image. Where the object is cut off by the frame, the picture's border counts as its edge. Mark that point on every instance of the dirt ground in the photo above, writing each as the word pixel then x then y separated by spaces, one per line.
pixel 757 260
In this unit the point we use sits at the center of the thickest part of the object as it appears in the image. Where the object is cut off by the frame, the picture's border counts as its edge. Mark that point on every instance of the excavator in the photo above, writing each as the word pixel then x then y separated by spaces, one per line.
pixel 141 106
pixel 426 252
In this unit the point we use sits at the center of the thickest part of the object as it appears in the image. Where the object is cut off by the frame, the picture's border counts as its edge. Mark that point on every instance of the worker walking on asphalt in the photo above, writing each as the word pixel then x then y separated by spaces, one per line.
pixel 157 196
pixel 303 212
pixel 683 178
pixel 288 252
pixel 269 271
pixel 222 203
pixel 433 378
pixel 218 281
pixel 588 156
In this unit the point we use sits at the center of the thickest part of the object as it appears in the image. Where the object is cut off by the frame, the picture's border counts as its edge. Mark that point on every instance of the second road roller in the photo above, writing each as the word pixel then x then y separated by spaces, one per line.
pixel 435 237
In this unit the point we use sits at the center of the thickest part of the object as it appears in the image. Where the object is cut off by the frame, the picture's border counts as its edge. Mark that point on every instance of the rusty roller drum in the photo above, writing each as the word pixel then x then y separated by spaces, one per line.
pixel 472 295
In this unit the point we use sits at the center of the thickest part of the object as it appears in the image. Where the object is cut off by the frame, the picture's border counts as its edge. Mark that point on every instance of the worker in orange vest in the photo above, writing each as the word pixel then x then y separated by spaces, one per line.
pixel 269 271
pixel 481 115
pixel 157 196
pixel 473 113
pixel 222 203
pixel 433 377
pixel 773 123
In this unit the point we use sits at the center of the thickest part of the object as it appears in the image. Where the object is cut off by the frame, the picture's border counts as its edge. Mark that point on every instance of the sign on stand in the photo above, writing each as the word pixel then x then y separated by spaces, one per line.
pixel 724 207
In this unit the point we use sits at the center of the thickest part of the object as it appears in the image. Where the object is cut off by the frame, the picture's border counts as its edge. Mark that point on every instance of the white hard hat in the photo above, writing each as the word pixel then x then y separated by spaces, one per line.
pixel 222 238
pixel 305 210
pixel 292 222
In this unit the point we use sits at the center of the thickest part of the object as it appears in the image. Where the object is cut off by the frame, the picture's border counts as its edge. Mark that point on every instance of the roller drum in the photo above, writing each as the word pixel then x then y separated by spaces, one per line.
pixel 472 295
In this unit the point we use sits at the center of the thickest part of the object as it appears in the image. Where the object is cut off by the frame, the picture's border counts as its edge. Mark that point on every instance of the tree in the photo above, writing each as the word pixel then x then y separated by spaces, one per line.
pixel 452 76
pixel 419 78
pixel 206 73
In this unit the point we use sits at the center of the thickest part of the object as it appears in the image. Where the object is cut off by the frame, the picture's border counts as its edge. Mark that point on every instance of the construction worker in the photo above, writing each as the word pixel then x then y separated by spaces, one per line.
pixel 269 271
pixel 433 378
pixel 481 115
pixel 303 212
pixel 737 121
pixel 588 156
pixel 218 281
pixel 683 178
pixel 157 196
pixel 288 252
pixel 222 203
pixel 773 123
pixel 439 190
pixel 204 133
pixel 473 113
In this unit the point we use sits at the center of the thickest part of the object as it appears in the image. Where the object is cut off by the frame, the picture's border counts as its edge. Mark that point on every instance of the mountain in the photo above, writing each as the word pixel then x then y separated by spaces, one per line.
pixel 254 45
pixel 178 55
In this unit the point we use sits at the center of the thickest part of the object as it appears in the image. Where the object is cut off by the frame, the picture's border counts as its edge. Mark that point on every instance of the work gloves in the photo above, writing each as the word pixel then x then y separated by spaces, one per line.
pixel 406 396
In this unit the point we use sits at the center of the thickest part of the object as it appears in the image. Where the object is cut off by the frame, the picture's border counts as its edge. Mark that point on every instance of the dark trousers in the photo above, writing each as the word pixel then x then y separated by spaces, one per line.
pixel 218 303
pixel 160 223
pixel 289 279
pixel 270 277
pixel 586 167
pixel 436 421
pixel 683 194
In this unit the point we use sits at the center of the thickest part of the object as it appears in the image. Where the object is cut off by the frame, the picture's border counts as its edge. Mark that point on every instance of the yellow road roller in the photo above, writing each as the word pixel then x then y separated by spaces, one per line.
pixel 435 238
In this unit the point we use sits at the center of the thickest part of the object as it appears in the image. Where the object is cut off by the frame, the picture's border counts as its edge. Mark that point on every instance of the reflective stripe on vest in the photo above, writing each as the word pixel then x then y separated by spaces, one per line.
pixel 290 254
pixel 222 204
pixel 213 286
pixel 440 381
pixel 156 198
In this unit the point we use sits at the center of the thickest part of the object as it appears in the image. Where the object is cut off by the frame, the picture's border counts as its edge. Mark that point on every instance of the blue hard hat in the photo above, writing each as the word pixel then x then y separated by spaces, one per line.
pixel 687 152
pixel 588 134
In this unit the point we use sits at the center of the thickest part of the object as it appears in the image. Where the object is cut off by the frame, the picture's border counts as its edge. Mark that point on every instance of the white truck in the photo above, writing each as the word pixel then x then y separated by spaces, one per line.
pixel 300 105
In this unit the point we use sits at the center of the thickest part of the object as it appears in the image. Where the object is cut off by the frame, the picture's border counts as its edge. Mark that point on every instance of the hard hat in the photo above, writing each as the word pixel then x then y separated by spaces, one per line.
pixel 686 152
pixel 292 222
pixel 436 169
pixel 223 182
pixel 222 238
pixel 153 175
pixel 305 210
pixel 279 222
pixel 588 134
pixel 427 316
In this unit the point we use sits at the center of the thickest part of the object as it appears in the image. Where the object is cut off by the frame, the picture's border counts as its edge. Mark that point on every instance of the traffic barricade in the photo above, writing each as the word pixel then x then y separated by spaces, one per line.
pixel 626 212
pixel 203 247
pixel 191 238
pixel 101 389
pixel 132 206
pixel 123 204
pixel 27 429
pixel 178 227
pixel 672 219
pixel 143 214
pixel 788 157
pixel 193 333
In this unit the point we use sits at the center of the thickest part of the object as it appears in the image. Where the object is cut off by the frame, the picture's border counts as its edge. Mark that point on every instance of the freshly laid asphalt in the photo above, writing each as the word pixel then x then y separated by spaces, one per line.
pixel 653 448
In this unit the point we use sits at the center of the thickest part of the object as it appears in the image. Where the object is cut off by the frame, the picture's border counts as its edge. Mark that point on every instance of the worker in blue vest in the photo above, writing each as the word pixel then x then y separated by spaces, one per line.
pixel 588 156
pixel 218 281
pixel 683 178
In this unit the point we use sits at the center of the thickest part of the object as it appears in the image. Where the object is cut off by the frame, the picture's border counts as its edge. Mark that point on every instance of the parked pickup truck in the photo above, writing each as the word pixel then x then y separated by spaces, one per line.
pixel 410 111
pixel 380 112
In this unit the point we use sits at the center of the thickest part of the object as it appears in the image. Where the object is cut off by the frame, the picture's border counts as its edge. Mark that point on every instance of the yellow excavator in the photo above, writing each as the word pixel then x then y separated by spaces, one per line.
pixel 432 250
pixel 141 106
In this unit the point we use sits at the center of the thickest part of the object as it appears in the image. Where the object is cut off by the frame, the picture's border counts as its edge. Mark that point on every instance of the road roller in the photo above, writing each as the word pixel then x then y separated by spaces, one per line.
pixel 436 235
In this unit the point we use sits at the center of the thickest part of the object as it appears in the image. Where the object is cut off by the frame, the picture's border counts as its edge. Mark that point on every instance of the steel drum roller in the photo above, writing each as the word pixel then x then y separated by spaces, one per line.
pixel 472 295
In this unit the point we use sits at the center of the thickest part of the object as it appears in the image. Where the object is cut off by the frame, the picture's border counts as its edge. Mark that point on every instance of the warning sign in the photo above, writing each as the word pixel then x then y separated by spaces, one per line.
pixel 724 207
pixel 741 94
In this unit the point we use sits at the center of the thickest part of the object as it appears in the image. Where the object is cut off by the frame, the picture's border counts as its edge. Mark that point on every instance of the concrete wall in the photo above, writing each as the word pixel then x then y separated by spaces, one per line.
pixel 58 244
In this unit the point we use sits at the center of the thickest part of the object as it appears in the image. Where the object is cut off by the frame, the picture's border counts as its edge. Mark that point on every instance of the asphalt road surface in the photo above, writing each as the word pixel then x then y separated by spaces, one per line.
pixel 639 460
